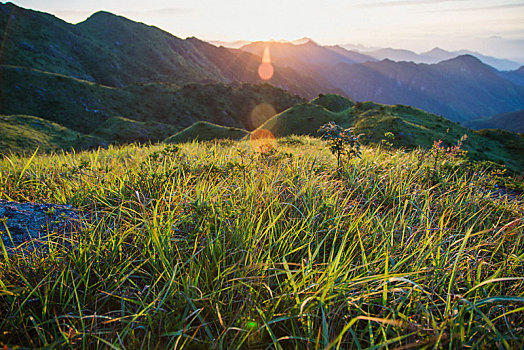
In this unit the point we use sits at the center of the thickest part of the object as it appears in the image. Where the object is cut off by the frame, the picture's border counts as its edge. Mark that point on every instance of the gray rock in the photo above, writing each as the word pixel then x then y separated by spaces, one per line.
pixel 30 226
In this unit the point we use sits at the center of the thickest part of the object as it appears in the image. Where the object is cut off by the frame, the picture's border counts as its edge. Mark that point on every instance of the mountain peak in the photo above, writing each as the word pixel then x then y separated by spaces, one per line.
pixel 302 41
pixel 466 63
pixel 103 16
pixel 437 50
pixel 468 58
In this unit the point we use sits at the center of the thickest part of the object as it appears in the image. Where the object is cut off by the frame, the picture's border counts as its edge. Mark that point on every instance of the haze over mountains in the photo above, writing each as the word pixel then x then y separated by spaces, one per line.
pixel 432 56
pixel 110 72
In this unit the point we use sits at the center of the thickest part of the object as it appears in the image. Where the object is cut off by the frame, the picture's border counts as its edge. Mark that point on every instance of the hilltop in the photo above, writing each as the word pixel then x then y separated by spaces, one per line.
pixel 204 131
pixel 412 128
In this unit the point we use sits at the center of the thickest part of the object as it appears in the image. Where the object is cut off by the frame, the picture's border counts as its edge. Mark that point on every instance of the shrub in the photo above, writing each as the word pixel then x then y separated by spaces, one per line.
pixel 341 141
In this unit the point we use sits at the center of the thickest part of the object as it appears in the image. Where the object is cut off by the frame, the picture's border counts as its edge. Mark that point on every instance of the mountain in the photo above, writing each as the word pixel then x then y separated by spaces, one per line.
pixel 513 122
pixel 459 89
pixel 498 63
pixel 437 55
pixel 397 55
pixel 107 49
pixel 412 128
pixel 516 76
pixel 114 51
pixel 230 44
pixel 84 106
pixel 310 53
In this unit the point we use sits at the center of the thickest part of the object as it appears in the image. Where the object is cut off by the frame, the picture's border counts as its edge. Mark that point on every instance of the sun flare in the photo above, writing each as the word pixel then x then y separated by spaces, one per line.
pixel 266 70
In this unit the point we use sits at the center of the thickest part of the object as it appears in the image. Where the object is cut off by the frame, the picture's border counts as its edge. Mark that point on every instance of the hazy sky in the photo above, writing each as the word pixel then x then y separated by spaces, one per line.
pixel 412 24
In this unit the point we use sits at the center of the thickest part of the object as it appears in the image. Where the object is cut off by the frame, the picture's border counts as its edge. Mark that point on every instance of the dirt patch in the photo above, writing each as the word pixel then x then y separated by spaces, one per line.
pixel 28 226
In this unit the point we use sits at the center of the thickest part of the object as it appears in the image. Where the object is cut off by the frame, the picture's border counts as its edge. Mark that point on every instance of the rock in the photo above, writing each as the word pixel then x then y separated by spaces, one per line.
pixel 29 226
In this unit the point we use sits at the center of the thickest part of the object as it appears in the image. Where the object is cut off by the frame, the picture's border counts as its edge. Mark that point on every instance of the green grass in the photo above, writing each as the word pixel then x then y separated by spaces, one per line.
pixel 84 106
pixel 24 134
pixel 412 128
pixel 210 245
pixel 122 130
pixel 204 131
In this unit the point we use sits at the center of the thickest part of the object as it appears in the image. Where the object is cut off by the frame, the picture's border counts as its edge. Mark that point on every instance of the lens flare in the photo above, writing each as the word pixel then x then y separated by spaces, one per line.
pixel 266 70
pixel 262 140
pixel 261 113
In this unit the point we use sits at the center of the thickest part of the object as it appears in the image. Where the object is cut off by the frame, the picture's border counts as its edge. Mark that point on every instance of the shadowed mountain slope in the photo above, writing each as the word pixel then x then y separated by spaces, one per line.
pixel 24 134
pixel 459 89
pixel 513 122
pixel 84 106
pixel 115 51
pixel 515 76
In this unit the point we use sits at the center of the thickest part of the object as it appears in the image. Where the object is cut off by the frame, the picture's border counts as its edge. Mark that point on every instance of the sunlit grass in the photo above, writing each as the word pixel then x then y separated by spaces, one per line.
pixel 212 245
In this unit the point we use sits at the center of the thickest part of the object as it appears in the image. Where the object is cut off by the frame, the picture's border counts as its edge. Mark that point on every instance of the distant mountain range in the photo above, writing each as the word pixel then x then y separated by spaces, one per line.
pixel 461 88
pixel 434 56
pixel 109 66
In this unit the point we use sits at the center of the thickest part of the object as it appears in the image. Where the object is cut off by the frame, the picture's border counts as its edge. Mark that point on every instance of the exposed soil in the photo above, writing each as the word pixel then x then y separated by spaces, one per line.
pixel 28 226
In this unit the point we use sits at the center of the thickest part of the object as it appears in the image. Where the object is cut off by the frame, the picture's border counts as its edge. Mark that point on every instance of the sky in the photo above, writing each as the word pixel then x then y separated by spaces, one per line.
pixel 493 27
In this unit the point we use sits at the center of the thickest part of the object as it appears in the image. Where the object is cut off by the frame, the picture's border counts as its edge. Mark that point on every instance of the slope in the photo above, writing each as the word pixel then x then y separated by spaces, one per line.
pixel 115 51
pixel 24 134
pixel 84 106
pixel 515 76
pixel 204 131
pixel 459 89
pixel 412 128
pixel 513 122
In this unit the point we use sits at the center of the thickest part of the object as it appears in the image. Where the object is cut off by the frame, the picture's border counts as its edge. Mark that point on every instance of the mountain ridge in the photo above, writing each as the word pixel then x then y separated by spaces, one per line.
pixel 459 89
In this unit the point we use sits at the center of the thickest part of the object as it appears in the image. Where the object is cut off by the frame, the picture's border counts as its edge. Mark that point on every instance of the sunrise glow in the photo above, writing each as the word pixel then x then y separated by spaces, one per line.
pixel 415 25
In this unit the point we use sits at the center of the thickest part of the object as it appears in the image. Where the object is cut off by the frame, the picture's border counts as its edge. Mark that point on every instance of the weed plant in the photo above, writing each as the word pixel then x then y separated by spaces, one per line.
pixel 211 245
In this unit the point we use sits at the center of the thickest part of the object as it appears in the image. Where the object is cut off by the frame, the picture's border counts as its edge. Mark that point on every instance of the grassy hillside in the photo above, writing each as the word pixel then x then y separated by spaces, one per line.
pixel 513 122
pixel 213 245
pixel 123 130
pixel 84 106
pixel 412 128
pixel 204 131
pixel 24 134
